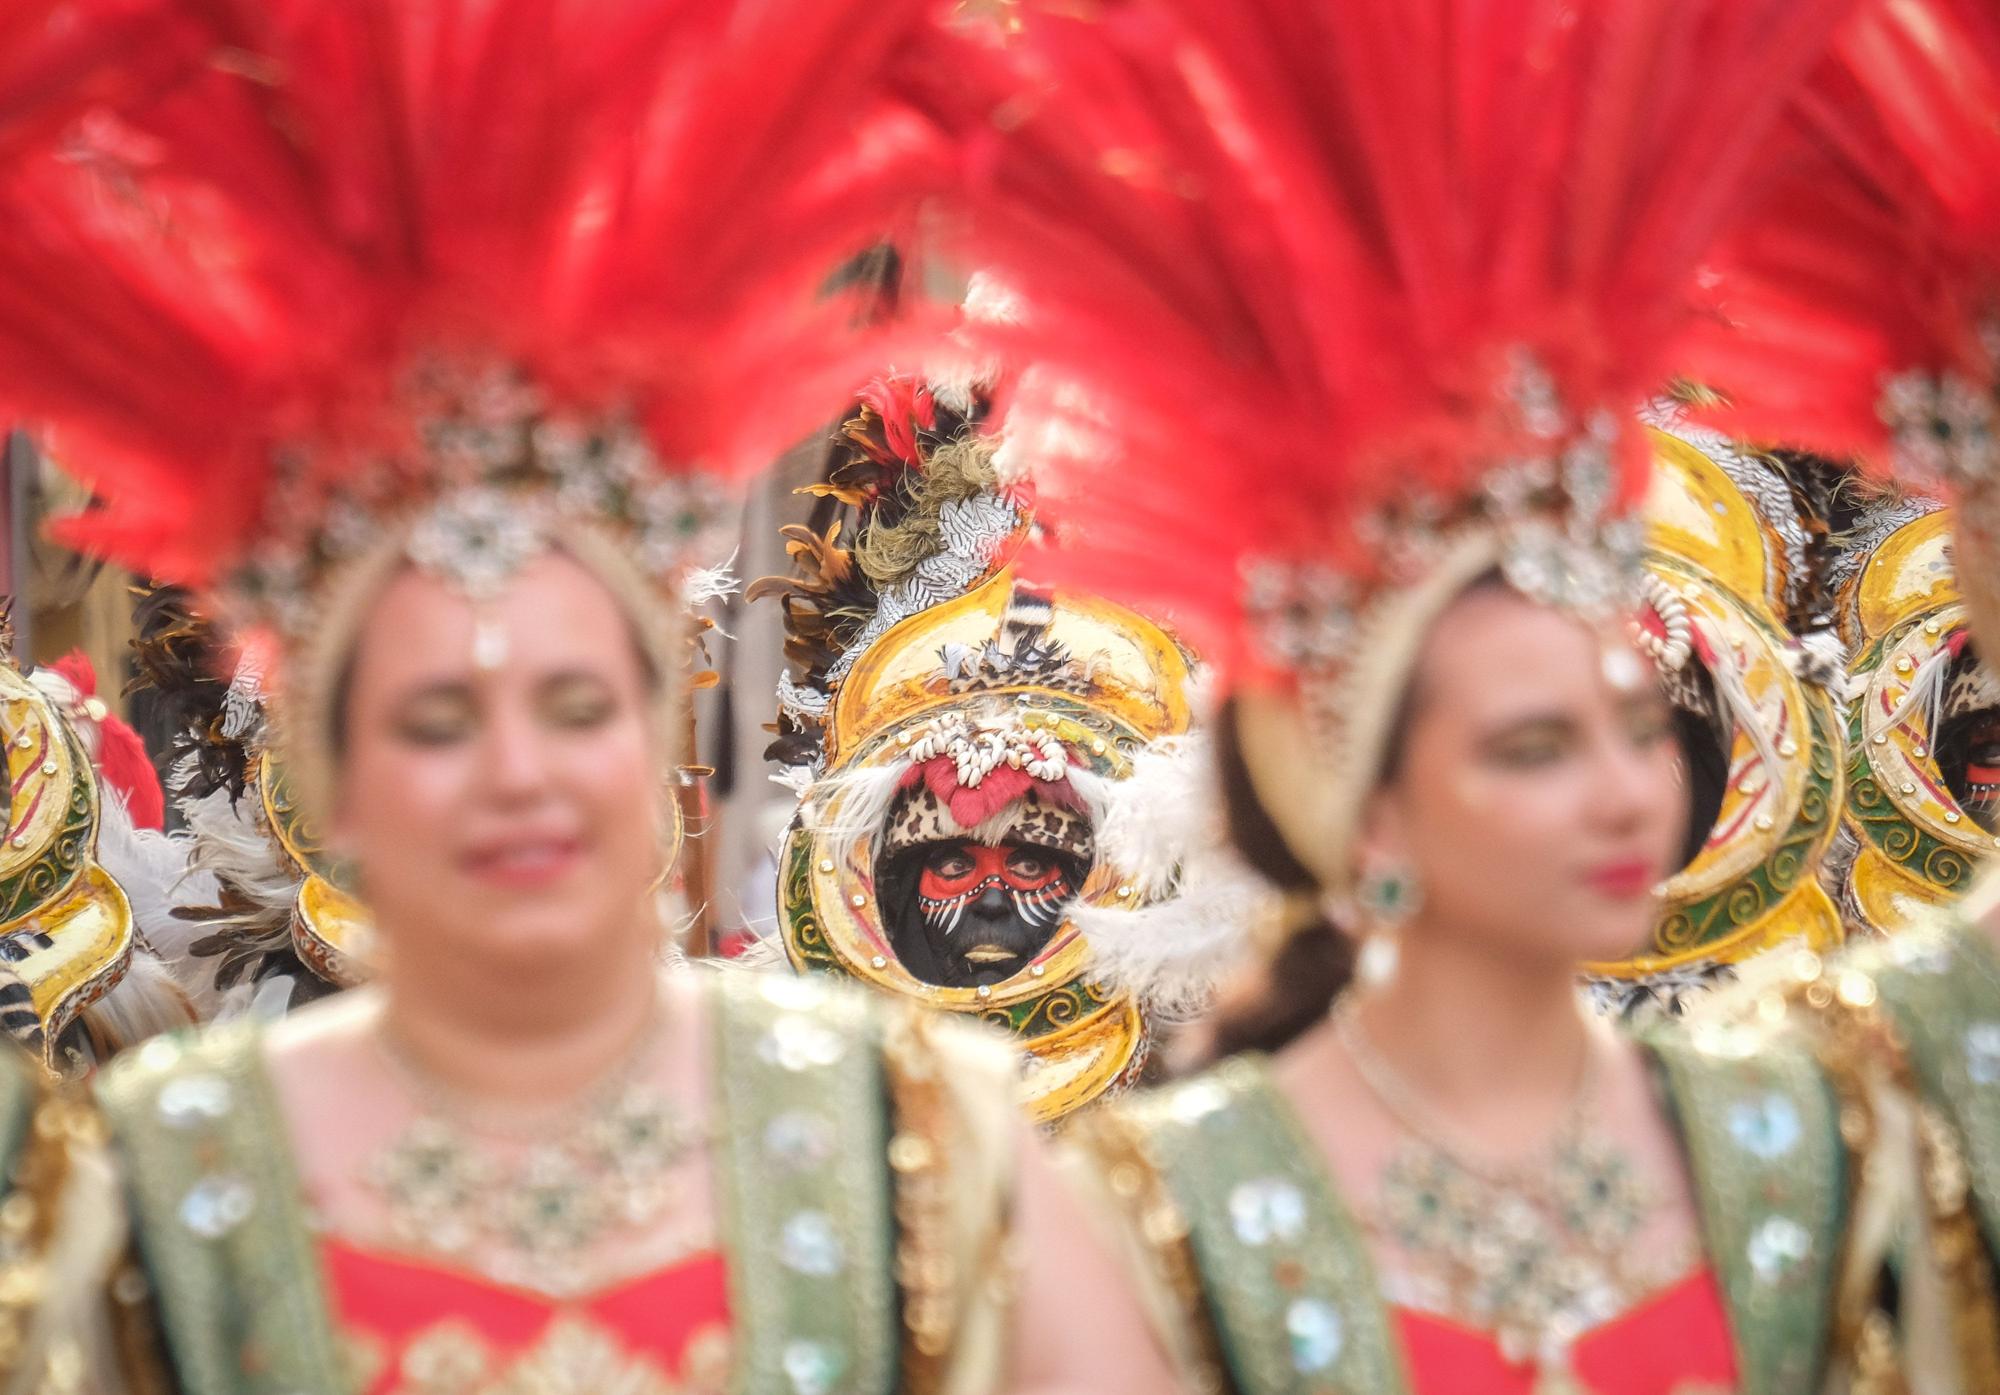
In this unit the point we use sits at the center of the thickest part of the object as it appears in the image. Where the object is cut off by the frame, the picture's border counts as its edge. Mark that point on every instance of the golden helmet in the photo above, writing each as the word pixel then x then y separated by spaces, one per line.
pixel 1045 695
pixel 66 935
pixel 1924 725
pixel 1726 560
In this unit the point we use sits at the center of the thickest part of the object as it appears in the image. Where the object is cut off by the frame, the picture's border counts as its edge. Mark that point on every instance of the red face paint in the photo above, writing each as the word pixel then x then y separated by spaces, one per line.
pixel 955 871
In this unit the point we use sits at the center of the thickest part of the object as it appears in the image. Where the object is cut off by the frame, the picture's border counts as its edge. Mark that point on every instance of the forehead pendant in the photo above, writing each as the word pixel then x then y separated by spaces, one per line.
pixel 1621 667
pixel 489 641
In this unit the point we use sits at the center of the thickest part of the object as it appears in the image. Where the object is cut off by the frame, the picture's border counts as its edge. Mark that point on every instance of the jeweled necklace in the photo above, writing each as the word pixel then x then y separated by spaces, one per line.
pixel 575 1175
pixel 1537 1252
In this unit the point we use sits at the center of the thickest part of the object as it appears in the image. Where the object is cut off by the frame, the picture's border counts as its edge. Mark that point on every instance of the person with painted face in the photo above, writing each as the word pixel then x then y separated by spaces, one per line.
pixel 986 909
pixel 984 764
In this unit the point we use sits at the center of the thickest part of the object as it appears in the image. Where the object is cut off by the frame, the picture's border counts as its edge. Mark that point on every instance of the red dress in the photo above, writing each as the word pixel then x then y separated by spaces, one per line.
pixel 1675 1343
pixel 414 1327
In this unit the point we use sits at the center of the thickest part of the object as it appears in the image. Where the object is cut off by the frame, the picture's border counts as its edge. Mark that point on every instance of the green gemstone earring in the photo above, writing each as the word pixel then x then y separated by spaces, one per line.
pixel 1387 895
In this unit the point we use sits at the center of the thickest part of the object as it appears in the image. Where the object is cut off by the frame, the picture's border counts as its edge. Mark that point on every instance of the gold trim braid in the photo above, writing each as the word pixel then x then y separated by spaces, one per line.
pixel 1119 1166
pixel 952 1155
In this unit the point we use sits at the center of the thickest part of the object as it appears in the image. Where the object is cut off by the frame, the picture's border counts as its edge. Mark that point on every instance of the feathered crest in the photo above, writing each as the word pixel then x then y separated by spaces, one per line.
pixel 911 511
pixel 898 463
pixel 206 693
pixel 1335 274
pixel 371 243
pixel 1860 314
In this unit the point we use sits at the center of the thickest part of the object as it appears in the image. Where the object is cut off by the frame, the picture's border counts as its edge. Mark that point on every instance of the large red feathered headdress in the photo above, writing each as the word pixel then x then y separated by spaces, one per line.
pixel 60 57
pixel 1859 314
pixel 377 251
pixel 448 283
pixel 1322 265
pixel 1358 298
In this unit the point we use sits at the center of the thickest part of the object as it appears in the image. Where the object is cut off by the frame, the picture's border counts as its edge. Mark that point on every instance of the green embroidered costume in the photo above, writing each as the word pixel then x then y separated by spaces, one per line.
pixel 1268 1274
pixel 854 1267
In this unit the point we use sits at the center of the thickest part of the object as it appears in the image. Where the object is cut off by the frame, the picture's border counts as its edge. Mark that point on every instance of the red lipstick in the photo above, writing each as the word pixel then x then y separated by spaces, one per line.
pixel 1623 879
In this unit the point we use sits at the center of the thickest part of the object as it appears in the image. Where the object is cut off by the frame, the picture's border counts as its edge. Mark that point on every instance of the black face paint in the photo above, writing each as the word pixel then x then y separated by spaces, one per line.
pixel 961 915
pixel 1968 755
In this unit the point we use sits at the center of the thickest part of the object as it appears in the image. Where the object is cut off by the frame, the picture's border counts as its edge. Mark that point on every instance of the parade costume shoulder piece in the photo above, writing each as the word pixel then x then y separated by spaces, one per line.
pixel 1354 307
pixel 66 924
pixel 66 941
pixel 964 742
pixel 1858 323
pixel 450 287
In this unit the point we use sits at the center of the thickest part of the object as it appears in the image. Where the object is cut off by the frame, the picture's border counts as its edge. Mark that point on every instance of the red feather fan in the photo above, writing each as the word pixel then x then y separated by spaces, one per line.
pixel 58 57
pixel 1878 254
pixel 636 203
pixel 1291 251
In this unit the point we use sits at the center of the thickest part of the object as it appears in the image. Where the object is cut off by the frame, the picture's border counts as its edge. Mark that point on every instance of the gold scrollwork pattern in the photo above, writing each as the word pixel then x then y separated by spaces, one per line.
pixel 1761 889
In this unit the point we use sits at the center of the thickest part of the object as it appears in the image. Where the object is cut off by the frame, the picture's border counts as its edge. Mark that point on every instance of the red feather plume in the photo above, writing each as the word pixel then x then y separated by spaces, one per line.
pixel 1878 253
pixel 636 203
pixel 1290 251
pixel 59 57
pixel 119 753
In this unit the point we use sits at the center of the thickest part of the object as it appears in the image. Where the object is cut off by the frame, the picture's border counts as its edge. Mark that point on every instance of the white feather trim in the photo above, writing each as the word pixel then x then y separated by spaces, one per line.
pixel 959 378
pixel 256 1000
pixel 1819 658
pixel 56 688
pixel 1052 427
pixel 1733 690
pixel 1165 830
pixel 991 301
pixel 863 797
pixel 230 846
pixel 765 954
pixel 155 869
pixel 64 696
pixel 704 585
pixel 149 1000
pixel 1926 693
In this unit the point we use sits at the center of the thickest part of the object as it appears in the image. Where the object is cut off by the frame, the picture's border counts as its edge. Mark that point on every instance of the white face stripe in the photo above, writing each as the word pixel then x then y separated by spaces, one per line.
pixel 1042 906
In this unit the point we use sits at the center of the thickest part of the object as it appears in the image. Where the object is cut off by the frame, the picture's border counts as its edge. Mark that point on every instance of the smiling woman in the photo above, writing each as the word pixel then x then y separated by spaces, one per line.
pixel 1352 300
pixel 413 395
pixel 510 815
